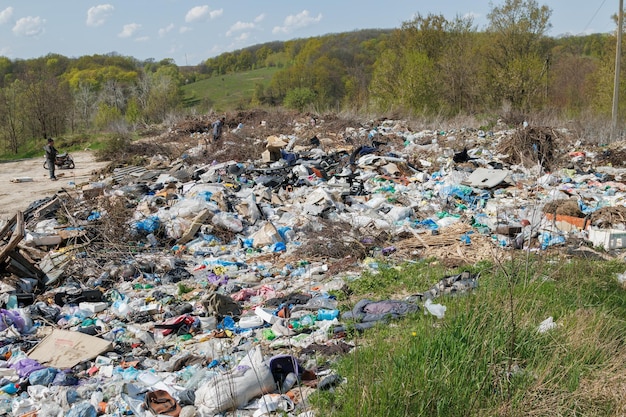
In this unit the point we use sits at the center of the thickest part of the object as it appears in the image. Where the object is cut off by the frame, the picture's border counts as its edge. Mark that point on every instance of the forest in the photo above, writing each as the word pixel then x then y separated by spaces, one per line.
pixel 429 66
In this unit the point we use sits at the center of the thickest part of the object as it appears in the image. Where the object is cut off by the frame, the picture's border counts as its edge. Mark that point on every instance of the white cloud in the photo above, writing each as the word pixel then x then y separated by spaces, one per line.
pixel 142 39
pixel 259 18
pixel 164 31
pixel 298 21
pixel 5 15
pixel 239 26
pixel 202 13
pixel 6 51
pixel 97 15
pixel 184 29
pixel 197 13
pixel 243 37
pixel 29 26
pixel 471 15
pixel 129 30
pixel 216 13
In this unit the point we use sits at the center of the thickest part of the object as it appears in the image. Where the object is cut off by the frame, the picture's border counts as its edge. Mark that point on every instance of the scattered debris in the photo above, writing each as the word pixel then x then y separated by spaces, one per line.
pixel 198 275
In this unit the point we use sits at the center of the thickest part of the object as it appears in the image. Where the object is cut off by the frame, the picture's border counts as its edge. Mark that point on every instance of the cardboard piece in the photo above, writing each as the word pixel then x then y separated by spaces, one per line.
pixel 275 143
pixel 195 225
pixel 267 235
pixel 64 349
pixel 270 155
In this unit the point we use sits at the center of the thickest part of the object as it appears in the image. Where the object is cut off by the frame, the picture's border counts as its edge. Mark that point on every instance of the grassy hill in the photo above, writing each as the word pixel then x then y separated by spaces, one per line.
pixel 226 92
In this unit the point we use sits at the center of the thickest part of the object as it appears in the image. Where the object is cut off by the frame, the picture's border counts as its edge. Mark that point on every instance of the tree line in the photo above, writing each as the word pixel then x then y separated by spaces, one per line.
pixel 430 65
pixel 55 95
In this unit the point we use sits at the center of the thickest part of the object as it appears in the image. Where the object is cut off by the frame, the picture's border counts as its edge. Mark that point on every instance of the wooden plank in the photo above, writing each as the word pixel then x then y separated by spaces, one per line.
pixel 18 235
pixel 47 208
pixel 29 265
pixel 7 227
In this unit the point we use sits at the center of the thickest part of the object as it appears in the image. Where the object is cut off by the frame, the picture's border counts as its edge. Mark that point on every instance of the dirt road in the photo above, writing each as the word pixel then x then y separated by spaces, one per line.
pixel 25 181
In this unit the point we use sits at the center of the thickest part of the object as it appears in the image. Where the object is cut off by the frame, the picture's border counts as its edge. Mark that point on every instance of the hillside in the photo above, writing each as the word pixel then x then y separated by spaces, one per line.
pixel 226 92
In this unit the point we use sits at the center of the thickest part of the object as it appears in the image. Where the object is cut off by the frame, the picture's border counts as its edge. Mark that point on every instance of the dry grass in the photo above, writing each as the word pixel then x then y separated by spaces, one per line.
pixel 563 207
pixel 333 241
pixel 531 145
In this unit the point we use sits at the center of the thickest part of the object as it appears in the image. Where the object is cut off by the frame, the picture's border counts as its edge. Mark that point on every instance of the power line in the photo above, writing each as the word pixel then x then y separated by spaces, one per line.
pixel 594 16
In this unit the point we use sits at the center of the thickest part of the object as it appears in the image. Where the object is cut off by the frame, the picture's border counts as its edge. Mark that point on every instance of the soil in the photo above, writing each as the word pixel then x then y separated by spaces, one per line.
pixel 26 181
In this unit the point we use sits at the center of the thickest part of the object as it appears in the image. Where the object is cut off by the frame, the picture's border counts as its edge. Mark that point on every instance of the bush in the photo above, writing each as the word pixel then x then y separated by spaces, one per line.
pixel 299 98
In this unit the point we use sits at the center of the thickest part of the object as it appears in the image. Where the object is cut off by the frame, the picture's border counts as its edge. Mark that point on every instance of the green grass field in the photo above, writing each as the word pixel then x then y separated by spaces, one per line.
pixel 226 92
pixel 486 357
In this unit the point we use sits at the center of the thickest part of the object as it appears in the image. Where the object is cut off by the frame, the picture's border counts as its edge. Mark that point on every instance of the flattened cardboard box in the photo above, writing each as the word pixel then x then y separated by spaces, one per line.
pixel 64 349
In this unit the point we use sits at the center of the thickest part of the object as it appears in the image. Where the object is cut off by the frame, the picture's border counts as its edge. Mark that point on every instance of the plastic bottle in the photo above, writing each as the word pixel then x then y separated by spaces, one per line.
pixel 10 388
pixel 12 302
pixel 324 314
pixel 307 321
pixel 152 240
pixel 290 381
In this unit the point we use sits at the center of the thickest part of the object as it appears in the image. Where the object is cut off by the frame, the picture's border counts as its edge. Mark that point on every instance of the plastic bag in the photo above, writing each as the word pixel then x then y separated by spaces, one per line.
pixel 228 221
pixel 436 310
pixel 250 379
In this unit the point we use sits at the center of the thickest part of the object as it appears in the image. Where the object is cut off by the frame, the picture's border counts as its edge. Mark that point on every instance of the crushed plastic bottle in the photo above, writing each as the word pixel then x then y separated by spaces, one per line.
pixel 324 314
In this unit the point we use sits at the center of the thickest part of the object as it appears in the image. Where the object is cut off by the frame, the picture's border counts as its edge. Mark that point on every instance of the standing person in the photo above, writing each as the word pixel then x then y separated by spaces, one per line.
pixel 51 155
pixel 218 126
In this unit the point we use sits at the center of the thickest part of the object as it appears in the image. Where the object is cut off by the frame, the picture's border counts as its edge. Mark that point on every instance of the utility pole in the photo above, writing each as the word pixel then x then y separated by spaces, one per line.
pixel 618 58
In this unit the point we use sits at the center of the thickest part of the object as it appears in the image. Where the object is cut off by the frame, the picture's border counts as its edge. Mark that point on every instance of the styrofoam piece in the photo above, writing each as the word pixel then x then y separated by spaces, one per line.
pixel 608 238
pixel 486 178
pixel 249 322
pixel 266 315
pixel 93 307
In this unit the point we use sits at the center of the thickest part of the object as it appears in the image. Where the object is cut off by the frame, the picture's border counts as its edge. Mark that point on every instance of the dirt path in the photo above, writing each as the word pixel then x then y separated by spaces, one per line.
pixel 15 196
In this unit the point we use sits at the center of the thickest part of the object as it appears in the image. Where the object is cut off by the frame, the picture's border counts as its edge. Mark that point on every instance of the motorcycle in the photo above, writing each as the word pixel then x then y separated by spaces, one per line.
pixel 62 160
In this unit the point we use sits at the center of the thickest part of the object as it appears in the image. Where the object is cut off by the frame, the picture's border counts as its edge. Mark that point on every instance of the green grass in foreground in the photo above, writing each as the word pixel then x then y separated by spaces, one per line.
pixel 485 358
pixel 226 92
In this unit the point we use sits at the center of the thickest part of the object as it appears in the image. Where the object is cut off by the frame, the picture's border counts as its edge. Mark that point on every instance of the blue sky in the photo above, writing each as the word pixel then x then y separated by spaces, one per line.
pixel 190 32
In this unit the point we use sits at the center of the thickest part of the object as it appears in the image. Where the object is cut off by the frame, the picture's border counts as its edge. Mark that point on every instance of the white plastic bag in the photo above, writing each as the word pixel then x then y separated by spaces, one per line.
pixel 436 310
pixel 228 221
pixel 250 379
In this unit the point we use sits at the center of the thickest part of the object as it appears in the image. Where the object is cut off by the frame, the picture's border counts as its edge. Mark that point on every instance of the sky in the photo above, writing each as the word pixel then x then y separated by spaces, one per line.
pixel 189 32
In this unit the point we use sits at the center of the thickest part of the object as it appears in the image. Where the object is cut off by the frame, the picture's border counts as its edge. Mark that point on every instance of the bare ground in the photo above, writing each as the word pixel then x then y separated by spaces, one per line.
pixel 25 181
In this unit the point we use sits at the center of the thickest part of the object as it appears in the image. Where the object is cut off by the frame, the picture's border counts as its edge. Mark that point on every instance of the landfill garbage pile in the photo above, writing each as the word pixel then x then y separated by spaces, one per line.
pixel 203 284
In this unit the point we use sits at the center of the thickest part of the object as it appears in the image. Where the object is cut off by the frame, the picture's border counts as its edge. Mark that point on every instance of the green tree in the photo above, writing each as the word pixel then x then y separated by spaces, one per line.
pixel 85 104
pixel 133 112
pixel 405 73
pixel 161 94
pixel 299 98
pixel 459 68
pixel 11 116
pixel 516 57
pixel 47 104
pixel 107 115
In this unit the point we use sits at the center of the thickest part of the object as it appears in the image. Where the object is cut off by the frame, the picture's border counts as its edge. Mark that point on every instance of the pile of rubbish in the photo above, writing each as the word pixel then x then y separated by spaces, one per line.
pixel 201 285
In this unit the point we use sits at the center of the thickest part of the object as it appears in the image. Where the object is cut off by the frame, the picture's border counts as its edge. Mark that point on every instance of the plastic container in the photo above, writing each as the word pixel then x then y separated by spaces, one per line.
pixel 608 238
pixel 324 314
pixel 10 388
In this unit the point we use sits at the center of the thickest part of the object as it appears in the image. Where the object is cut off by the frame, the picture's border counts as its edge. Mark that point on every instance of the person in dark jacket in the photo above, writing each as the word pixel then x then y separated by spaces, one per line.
pixel 51 154
pixel 218 126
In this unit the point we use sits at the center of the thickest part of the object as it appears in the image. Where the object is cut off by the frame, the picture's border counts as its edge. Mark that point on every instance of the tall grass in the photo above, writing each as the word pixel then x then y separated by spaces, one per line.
pixel 465 364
